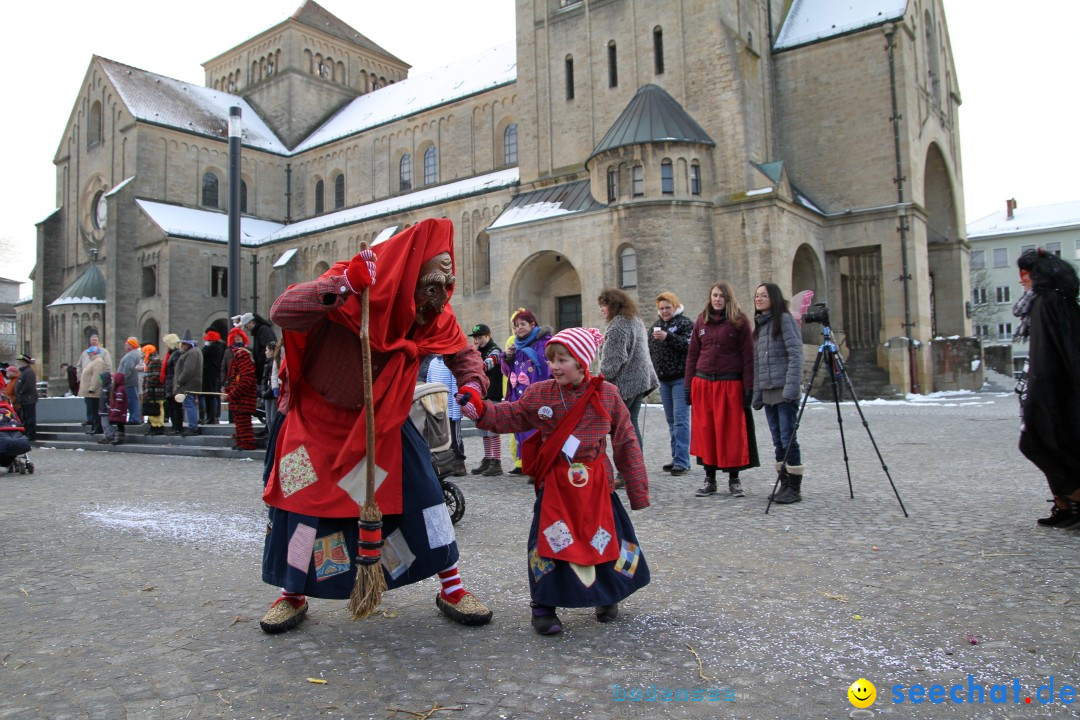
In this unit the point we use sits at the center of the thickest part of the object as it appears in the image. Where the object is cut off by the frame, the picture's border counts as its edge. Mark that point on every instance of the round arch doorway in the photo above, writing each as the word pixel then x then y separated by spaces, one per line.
pixel 548 285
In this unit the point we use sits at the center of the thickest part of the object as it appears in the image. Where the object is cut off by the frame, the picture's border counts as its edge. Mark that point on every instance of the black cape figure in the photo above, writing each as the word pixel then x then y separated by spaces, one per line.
pixel 1049 387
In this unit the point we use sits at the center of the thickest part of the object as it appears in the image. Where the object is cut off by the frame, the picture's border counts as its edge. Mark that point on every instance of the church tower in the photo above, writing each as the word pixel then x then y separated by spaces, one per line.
pixel 303 70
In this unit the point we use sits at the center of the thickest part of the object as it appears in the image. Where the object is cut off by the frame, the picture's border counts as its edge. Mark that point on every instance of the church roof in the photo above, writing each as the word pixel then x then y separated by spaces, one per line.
pixel 811 21
pixel 186 107
pixel 88 288
pixel 1026 220
pixel 180 221
pixel 490 69
pixel 652 116
pixel 314 15
pixel 555 201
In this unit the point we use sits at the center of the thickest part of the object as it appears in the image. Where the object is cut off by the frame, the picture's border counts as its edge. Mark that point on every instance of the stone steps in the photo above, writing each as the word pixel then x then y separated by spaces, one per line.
pixel 215 441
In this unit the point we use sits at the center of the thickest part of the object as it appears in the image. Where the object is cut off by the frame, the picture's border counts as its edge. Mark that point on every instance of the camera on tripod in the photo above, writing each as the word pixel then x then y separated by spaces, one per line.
pixel 820 314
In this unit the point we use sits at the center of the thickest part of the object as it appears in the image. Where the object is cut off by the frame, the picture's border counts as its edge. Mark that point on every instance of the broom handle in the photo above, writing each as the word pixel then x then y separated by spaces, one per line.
pixel 369 409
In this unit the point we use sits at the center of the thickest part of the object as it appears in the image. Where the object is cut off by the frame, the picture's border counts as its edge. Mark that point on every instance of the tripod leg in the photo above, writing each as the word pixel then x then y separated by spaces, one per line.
pixel 855 399
pixel 795 428
pixel 834 357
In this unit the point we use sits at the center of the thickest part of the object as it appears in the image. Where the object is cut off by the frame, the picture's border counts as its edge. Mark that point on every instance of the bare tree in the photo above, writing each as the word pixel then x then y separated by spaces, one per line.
pixel 983 311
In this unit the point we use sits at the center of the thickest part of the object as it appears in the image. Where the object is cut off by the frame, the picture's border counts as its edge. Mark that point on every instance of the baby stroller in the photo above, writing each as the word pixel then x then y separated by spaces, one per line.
pixel 431 418
pixel 14 446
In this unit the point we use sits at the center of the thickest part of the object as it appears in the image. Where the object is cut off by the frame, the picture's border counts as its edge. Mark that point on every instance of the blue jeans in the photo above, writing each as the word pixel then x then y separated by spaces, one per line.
pixel 781 419
pixel 634 406
pixel 678 421
pixel 134 406
pixel 191 409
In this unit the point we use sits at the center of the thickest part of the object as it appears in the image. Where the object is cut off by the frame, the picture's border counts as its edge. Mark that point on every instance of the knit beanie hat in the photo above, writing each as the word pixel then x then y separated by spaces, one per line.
pixel 132 343
pixel 237 337
pixel 524 314
pixel 581 343
pixel 188 340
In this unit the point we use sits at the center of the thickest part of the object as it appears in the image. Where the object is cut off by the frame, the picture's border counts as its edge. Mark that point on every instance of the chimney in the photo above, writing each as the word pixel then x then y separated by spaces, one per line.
pixel 1010 206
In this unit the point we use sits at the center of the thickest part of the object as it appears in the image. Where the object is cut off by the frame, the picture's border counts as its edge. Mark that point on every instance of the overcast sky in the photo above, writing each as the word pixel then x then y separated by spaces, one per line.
pixel 1015 63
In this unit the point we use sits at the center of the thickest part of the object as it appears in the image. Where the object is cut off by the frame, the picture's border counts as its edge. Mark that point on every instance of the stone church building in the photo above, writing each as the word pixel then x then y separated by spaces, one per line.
pixel 646 145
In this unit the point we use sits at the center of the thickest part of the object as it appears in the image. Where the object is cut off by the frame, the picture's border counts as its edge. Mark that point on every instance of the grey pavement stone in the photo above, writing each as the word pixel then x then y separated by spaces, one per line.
pixel 131 588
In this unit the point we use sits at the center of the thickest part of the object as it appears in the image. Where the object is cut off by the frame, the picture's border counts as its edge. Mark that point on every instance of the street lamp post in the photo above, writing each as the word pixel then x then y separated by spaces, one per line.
pixel 234 211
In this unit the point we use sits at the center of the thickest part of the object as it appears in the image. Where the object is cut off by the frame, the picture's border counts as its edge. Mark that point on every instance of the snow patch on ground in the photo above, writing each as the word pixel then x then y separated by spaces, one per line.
pixel 181 523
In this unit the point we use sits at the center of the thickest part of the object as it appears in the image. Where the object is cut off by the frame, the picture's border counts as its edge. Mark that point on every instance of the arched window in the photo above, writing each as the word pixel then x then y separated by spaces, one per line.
pixel 482 262
pixel 339 191
pixel 638 178
pixel 612 65
pixel 93 125
pixel 569 77
pixel 431 166
pixel 318 197
pixel 695 179
pixel 510 145
pixel 149 281
pixel 667 178
pixel 210 190
pixel 405 173
pixel 243 196
pixel 658 50
pixel 627 267
pixel 612 185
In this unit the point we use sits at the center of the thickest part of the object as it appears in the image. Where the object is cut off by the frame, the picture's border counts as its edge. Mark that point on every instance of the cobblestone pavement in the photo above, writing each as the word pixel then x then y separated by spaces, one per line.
pixel 130 588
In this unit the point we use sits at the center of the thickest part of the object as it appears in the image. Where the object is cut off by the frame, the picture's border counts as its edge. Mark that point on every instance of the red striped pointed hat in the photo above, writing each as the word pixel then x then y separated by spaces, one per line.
pixel 582 344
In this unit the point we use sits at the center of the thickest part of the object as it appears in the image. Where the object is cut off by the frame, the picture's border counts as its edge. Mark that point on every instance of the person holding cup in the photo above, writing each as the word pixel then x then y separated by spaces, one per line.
pixel 669 342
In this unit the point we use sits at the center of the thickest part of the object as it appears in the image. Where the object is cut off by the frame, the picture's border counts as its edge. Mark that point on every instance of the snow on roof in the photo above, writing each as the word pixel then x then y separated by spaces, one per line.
pixel 204 224
pixel 119 187
pixel 77 301
pixel 285 257
pixel 440 193
pixel 813 20
pixel 186 107
pixel 489 69
pixel 1025 220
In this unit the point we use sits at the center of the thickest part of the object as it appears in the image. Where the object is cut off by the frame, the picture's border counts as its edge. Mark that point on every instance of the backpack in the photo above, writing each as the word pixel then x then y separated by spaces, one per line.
pixel 430 416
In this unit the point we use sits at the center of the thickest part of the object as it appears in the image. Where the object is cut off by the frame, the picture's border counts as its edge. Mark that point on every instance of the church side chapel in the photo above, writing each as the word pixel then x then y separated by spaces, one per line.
pixel 628 143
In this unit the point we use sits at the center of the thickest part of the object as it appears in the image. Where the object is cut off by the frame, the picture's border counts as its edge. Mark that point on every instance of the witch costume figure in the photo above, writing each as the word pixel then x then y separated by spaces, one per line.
pixel 582 549
pixel 316 484
pixel 1049 387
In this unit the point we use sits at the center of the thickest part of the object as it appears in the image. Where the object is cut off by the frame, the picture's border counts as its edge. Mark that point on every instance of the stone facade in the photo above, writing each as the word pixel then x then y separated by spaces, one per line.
pixel 794 183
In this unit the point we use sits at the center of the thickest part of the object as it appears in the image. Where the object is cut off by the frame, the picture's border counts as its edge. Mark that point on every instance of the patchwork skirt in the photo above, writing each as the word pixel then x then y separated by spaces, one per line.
pixel 558 583
pixel 317 556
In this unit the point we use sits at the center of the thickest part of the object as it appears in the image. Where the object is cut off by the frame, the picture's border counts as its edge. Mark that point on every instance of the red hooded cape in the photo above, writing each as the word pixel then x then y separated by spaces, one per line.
pixel 320 453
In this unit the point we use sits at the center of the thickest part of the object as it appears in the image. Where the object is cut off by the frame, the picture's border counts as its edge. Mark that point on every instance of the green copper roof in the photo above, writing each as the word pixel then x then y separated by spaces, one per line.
pixel 652 116
pixel 88 288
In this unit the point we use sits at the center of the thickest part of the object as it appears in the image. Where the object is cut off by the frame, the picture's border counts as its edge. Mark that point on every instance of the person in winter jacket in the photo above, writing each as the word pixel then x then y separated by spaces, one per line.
pixel 118 408
pixel 90 389
pixel 669 342
pixel 188 382
pixel 778 363
pixel 624 356
pixel 174 411
pixel 719 384
pixel 267 384
pixel 153 390
pixel 128 366
pixel 26 396
pixel 241 390
pixel 212 352
pixel 524 364
pixel 492 354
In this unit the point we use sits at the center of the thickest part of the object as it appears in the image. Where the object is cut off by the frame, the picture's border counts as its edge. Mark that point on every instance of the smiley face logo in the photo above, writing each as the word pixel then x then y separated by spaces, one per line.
pixel 862 693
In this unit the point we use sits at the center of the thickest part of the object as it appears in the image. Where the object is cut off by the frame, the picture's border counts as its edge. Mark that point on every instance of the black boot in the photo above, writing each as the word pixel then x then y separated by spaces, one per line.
pixel 1062 517
pixel 483 466
pixel 793 492
pixel 782 476
pixel 709 488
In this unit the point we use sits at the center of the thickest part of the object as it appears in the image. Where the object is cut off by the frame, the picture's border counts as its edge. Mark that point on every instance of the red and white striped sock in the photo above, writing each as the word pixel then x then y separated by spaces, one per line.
pixel 452 589
pixel 294 599
pixel 493 447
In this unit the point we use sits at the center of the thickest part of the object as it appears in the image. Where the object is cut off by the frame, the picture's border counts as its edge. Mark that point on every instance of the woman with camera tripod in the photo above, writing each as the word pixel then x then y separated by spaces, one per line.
pixel 718 384
pixel 778 366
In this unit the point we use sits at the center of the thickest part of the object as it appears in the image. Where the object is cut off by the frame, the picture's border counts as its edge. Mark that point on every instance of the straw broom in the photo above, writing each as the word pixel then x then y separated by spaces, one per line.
pixel 370 582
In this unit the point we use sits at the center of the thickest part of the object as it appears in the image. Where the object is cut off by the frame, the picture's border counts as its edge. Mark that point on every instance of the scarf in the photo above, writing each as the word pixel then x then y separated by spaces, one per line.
pixel 1021 308
pixel 523 345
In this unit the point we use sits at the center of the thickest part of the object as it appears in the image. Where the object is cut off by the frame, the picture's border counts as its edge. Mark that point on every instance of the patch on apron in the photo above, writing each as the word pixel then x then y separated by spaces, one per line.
pixel 331 556
pixel 295 472
pixel 558 536
pixel 539 566
pixel 396 555
pixel 628 559
pixel 585 573
pixel 600 540
pixel 440 529
pixel 300 544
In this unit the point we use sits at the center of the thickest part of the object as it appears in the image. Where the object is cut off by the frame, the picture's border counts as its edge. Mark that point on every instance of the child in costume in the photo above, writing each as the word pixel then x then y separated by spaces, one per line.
pixel 241 390
pixel 583 551
pixel 525 363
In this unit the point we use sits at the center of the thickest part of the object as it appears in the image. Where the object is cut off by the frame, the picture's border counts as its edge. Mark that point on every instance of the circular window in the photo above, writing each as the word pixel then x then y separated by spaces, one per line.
pixel 101 210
